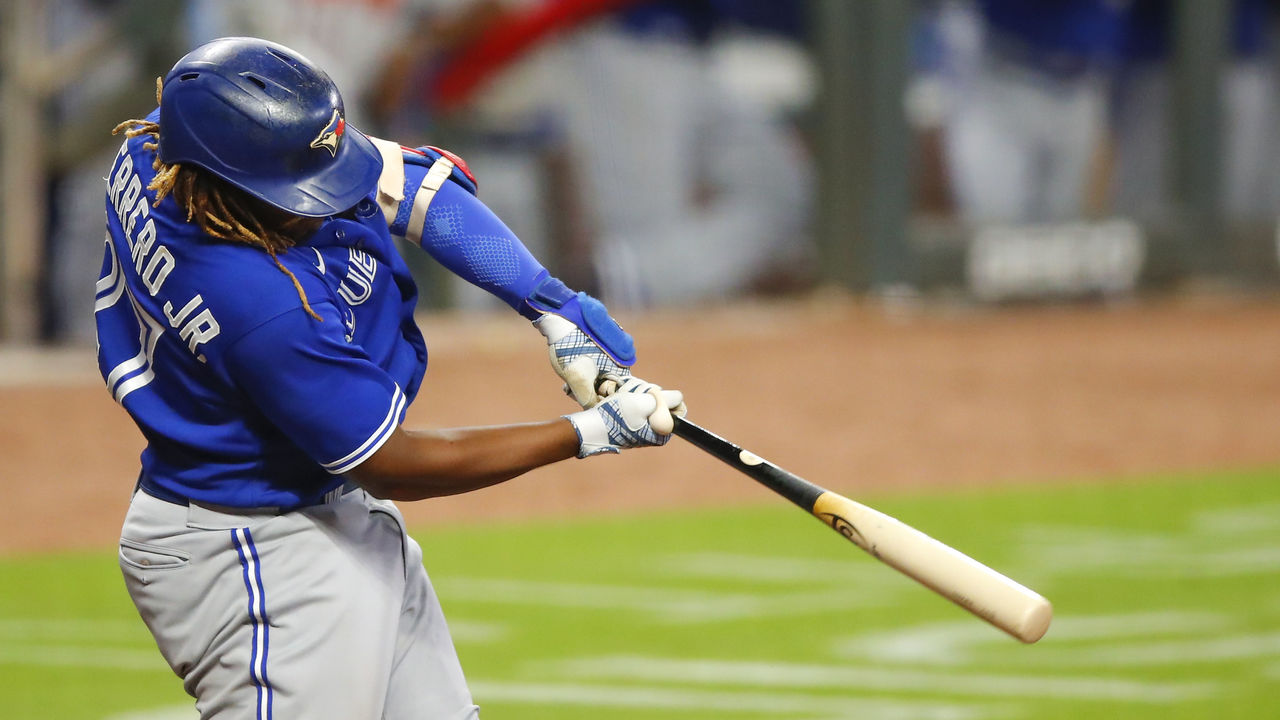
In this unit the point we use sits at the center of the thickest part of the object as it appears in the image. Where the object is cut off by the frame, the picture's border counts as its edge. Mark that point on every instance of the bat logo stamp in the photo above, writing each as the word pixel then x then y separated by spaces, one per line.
pixel 849 530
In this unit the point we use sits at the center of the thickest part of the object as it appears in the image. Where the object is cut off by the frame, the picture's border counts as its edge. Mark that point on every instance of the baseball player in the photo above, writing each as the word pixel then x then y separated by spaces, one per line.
pixel 256 322
pixel 1029 105
pixel 1249 100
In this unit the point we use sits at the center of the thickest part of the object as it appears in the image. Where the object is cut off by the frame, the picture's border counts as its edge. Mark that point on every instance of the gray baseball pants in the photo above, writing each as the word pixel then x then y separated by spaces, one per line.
pixel 323 612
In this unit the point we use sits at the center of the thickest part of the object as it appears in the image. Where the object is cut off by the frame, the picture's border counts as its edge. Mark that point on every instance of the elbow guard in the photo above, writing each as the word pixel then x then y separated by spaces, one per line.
pixel 410 179
pixel 458 170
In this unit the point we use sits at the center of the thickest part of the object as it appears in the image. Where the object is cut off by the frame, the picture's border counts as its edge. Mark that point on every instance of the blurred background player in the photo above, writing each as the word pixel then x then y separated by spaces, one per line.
pixel 635 128
pixel 1029 105
pixel 673 164
pixel 1140 185
pixel 100 80
pixel 1011 138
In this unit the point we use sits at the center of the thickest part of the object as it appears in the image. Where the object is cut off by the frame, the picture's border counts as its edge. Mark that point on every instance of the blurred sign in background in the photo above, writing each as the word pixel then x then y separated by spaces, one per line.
pixel 696 151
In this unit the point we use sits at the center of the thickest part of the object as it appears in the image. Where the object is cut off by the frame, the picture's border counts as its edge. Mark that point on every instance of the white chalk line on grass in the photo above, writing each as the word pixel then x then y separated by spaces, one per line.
pixel 862 572
pixel 799 676
pixel 673 605
pixel 1251 646
pixel 168 712
pixel 81 656
pixel 77 629
pixel 1221 542
pixel 1237 521
pixel 1118 641
pixel 1076 550
pixel 788 705
pixel 635 697
pixel 959 642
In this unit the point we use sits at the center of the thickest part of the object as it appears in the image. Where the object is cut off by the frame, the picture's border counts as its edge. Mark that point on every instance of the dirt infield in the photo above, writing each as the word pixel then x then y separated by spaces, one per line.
pixel 853 396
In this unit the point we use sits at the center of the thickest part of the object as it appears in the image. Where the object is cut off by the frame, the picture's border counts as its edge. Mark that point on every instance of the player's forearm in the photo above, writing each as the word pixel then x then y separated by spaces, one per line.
pixel 419 464
pixel 461 233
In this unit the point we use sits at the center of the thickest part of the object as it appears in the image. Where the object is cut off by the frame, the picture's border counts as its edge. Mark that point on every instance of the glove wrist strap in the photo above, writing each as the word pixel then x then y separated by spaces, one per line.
pixel 593 435
pixel 590 316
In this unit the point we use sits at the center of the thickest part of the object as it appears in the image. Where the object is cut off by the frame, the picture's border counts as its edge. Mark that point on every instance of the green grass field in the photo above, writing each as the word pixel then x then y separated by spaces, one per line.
pixel 1167 598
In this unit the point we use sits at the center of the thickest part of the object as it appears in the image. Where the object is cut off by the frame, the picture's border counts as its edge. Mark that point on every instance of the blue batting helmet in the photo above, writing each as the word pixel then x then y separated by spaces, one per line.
pixel 268 121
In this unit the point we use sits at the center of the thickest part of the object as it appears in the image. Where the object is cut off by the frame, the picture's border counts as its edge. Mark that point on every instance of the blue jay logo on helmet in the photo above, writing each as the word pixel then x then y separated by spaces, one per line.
pixel 331 134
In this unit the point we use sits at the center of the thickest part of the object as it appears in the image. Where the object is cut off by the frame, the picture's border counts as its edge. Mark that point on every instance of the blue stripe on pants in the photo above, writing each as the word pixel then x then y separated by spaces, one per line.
pixel 252 571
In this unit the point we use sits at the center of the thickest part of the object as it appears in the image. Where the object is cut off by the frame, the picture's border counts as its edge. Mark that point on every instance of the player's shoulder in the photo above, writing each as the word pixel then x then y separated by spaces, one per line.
pixel 245 287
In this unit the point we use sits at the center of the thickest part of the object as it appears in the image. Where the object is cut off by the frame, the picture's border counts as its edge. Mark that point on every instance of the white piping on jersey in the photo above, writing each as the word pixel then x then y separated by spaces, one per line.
pixel 149 331
pixel 440 171
pixel 125 368
pixel 113 281
pixel 148 336
pixel 375 441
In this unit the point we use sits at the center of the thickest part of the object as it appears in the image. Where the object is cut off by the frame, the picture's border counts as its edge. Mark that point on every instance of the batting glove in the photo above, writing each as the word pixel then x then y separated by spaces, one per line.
pixel 638 414
pixel 590 374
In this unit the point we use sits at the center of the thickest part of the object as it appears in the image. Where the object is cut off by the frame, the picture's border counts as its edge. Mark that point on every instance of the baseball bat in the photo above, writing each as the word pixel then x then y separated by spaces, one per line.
pixel 1013 608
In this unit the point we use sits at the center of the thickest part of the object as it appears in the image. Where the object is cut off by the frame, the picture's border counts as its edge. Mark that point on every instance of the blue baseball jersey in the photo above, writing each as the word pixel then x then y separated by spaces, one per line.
pixel 244 399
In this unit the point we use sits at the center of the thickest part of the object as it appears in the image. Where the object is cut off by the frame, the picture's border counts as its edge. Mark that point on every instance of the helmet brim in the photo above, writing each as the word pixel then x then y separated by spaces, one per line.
pixel 337 187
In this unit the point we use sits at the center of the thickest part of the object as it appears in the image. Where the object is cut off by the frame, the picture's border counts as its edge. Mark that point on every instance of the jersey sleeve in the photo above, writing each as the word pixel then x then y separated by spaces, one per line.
pixel 320 391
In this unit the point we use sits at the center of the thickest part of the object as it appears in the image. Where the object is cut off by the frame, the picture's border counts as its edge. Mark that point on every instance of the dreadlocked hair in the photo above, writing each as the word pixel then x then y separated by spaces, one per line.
pixel 220 209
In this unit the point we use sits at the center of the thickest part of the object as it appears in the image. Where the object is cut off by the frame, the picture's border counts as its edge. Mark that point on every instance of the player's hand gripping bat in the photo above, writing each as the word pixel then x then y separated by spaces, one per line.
pixel 1017 610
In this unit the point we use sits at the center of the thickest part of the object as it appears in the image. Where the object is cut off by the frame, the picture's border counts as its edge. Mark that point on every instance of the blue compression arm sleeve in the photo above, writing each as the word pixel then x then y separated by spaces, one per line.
pixel 466 237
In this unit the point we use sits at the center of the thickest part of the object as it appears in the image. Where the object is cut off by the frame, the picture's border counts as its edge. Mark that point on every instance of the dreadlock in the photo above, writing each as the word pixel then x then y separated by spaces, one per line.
pixel 220 209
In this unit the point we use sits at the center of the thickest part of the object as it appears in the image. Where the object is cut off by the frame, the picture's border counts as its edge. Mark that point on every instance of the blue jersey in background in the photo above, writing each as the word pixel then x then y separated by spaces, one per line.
pixel 1060 37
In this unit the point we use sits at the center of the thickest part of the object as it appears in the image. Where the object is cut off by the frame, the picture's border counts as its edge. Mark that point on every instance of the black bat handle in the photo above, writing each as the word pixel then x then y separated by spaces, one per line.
pixel 792 487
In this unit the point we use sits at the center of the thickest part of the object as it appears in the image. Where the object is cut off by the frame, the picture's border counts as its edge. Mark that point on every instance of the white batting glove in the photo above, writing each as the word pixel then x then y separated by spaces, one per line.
pixel 638 414
pixel 589 374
